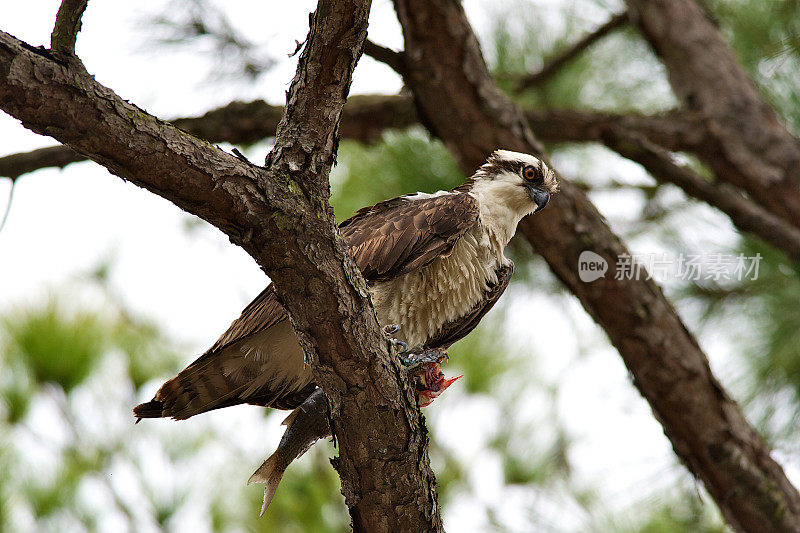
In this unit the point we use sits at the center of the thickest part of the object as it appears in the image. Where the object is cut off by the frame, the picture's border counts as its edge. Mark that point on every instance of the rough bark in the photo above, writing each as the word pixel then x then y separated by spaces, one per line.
pixel 280 215
pixel 457 99
pixel 67 26
pixel 748 145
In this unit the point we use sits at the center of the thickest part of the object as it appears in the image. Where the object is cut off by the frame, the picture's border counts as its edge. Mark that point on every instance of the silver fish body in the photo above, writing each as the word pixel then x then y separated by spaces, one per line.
pixel 304 426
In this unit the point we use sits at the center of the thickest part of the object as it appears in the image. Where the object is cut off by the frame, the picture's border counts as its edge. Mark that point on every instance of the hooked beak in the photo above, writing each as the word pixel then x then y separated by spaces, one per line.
pixel 539 197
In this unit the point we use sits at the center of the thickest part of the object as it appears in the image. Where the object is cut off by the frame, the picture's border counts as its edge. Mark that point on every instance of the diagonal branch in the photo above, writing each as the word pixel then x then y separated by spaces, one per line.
pixel 743 212
pixel 554 64
pixel 67 26
pixel 456 94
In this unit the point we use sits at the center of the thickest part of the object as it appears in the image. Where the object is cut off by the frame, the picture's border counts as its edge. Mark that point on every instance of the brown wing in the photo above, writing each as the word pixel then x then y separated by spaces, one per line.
pixel 460 327
pixel 398 236
pixel 263 312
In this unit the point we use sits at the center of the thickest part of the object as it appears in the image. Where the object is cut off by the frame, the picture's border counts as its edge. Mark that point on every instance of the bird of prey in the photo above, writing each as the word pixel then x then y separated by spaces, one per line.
pixel 434 264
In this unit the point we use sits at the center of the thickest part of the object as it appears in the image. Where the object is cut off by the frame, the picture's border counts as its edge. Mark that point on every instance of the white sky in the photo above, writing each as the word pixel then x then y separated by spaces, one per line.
pixel 63 223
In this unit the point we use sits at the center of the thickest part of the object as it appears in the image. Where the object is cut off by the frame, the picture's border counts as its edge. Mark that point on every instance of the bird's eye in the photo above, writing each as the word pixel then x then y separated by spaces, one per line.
pixel 529 173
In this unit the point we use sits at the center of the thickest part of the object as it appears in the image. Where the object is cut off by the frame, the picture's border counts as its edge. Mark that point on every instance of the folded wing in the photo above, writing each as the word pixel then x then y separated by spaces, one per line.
pixel 258 360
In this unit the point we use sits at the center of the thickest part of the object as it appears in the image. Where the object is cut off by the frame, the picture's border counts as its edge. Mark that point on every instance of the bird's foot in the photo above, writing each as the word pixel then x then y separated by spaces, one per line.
pixel 419 355
pixel 396 346
pixel 422 364
pixel 424 372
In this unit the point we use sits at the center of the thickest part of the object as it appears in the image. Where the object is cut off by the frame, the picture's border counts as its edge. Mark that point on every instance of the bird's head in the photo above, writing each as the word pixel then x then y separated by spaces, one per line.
pixel 520 181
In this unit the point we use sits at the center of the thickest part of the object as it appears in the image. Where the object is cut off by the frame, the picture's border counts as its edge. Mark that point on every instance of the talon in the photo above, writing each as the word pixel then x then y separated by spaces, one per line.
pixel 420 355
pixel 391 329
pixel 397 343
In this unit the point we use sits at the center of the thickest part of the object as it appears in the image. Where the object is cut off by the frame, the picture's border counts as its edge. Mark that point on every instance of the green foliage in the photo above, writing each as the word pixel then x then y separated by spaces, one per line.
pixel 5 474
pixel 687 513
pixel 16 391
pixel 768 317
pixel 54 347
pixel 522 39
pixel 148 356
pixel 451 474
pixel 51 496
pixel 482 357
pixel 400 163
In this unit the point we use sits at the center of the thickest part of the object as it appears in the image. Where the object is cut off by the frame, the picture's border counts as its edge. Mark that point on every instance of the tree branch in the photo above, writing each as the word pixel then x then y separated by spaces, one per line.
pixel 554 64
pixel 743 212
pixel 280 215
pixel 459 100
pixel 366 117
pixel 385 471
pixel 396 60
pixel 15 165
pixel 67 26
pixel 750 147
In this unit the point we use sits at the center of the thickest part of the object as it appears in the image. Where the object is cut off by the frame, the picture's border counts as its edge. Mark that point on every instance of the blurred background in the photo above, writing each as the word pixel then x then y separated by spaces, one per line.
pixel 107 290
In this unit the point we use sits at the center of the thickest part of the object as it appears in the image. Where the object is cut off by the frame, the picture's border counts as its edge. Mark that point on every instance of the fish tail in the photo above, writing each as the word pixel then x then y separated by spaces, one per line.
pixel 270 474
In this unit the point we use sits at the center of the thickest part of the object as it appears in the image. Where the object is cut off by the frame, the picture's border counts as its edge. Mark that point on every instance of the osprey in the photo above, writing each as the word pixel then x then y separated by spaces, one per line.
pixel 434 264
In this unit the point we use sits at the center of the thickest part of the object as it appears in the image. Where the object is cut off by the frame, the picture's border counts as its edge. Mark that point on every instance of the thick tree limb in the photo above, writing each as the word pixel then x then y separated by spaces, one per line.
pixel 67 26
pixel 750 147
pixel 385 471
pixel 463 107
pixel 554 64
pixel 280 215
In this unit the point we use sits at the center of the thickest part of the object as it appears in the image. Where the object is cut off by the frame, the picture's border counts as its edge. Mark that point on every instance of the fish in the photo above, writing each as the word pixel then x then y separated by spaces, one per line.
pixel 307 424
